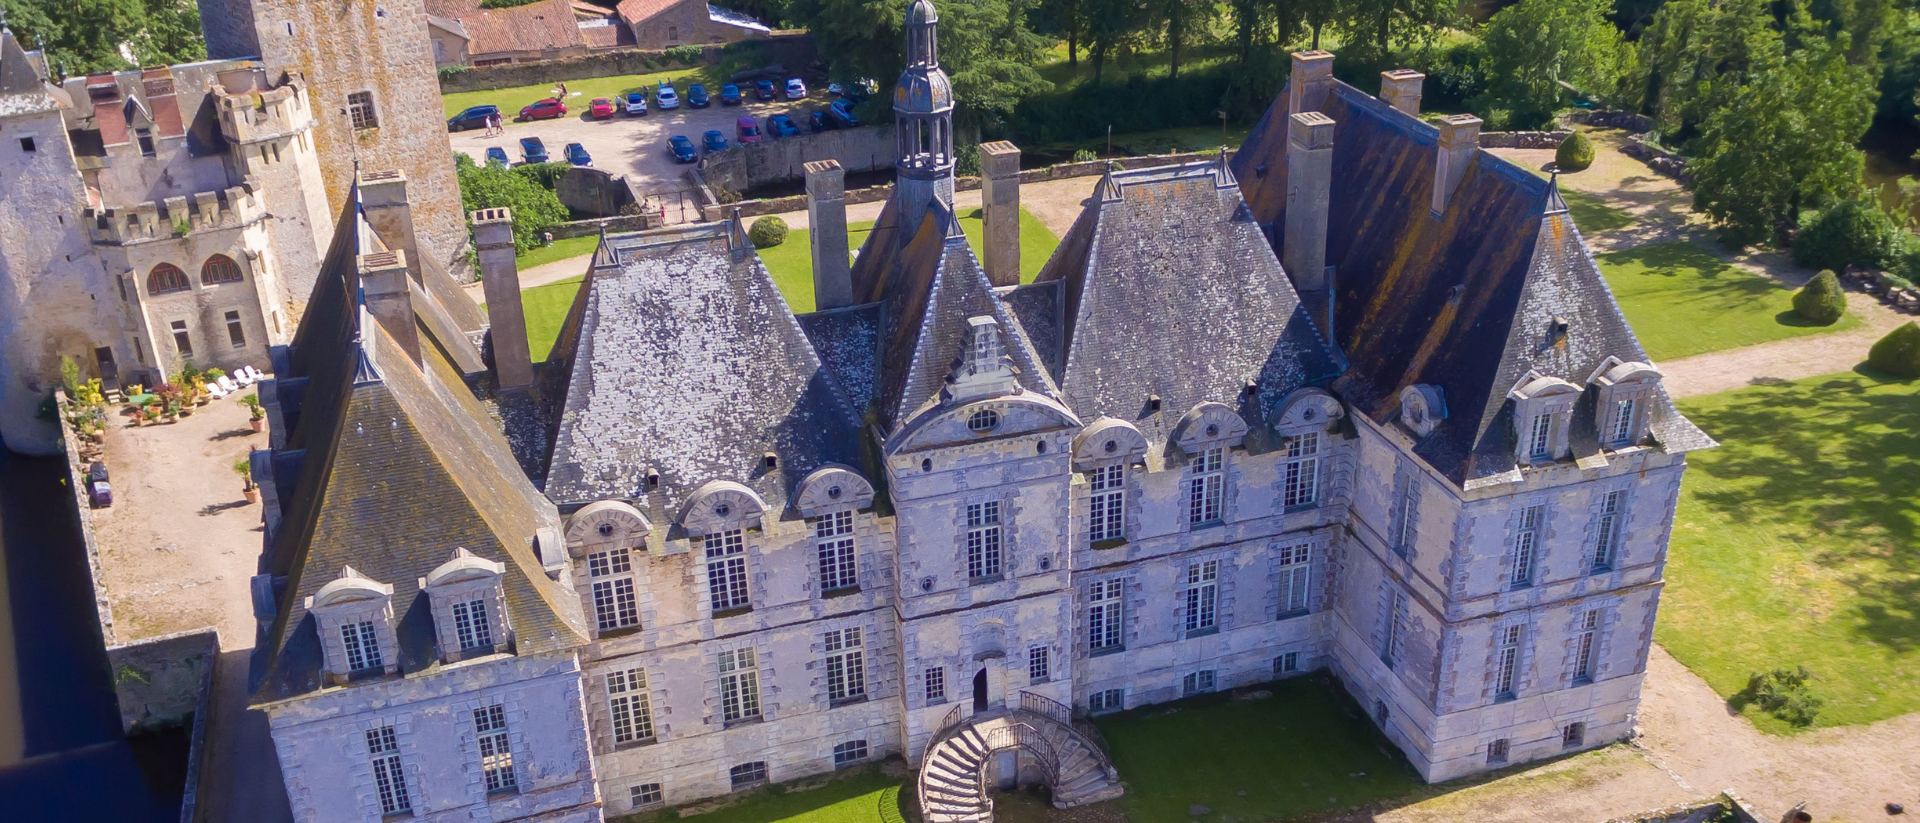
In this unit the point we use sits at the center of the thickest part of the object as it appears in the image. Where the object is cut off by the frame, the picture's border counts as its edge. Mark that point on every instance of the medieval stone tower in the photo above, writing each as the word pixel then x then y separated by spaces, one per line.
pixel 376 98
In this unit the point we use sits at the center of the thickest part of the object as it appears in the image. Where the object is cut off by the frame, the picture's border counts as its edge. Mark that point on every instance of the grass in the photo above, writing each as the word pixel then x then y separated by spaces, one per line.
pixel 867 795
pixel 1592 214
pixel 558 250
pixel 546 309
pixel 1795 544
pixel 1245 761
pixel 510 100
pixel 1684 301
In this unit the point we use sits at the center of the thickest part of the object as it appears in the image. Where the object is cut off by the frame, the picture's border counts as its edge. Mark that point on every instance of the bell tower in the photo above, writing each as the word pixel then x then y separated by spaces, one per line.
pixel 923 123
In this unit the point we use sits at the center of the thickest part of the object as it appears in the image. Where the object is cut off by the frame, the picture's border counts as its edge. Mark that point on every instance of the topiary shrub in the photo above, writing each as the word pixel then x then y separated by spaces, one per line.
pixel 767 232
pixel 1822 300
pixel 1850 233
pixel 1899 352
pixel 1575 152
pixel 1784 694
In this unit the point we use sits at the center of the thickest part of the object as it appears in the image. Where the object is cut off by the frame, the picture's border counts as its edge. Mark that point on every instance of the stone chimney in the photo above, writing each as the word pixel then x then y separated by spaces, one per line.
pixel 158 83
pixel 383 199
pixel 1312 78
pixel 827 212
pixel 1000 199
pixel 1309 185
pixel 1459 140
pixel 500 278
pixel 388 292
pixel 1401 88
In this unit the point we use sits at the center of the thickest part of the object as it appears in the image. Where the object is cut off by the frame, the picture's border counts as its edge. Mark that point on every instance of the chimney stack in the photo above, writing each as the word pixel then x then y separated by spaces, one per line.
pixel 1000 199
pixel 1459 139
pixel 500 279
pixel 827 212
pixel 383 199
pixel 1310 81
pixel 1309 186
pixel 1401 89
pixel 386 287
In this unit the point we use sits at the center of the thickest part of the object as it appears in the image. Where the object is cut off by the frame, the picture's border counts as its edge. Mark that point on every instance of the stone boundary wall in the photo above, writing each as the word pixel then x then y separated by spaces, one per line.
pixel 1663 162
pixel 164 681
pixel 1697 811
pixel 868 148
pixel 1522 139
pixel 1624 120
pixel 83 509
pixel 793 49
pixel 621 223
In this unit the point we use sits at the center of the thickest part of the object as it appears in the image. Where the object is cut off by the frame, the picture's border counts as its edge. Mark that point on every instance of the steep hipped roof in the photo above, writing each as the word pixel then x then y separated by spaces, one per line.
pixel 687 362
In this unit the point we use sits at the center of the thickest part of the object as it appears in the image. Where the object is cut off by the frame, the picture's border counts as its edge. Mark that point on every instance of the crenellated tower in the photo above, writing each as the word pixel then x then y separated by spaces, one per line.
pixel 923 122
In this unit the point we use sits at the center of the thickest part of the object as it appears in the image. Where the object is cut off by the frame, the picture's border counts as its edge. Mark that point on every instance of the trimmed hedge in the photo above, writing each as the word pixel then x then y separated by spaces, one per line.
pixel 1575 152
pixel 1821 300
pixel 1899 352
pixel 767 232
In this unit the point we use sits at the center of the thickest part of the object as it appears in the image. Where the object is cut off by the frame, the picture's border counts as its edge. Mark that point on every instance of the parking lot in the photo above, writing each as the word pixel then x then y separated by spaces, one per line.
pixel 636 146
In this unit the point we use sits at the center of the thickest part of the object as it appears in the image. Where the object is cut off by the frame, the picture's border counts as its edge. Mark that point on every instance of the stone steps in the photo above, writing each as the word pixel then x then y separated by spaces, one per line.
pixel 950 774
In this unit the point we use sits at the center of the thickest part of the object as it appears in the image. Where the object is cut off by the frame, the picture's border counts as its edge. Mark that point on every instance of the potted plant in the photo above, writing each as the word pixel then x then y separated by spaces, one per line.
pixel 256 414
pixel 244 468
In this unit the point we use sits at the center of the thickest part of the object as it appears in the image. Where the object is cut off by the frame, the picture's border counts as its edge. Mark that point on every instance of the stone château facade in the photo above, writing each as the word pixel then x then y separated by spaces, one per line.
pixel 1355 399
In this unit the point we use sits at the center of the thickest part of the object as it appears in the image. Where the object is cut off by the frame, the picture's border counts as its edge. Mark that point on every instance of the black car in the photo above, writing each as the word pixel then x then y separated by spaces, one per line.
pixel 817 121
pixel 473 118
pixel 697 96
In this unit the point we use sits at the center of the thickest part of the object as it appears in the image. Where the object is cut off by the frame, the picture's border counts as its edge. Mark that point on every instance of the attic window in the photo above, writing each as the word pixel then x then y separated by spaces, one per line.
pixel 1556 331
pixel 1260 172
pixel 26 145
pixel 926 464
pixel 606 529
pixel 983 421
pixel 722 510
pixel 653 481
pixel 833 492
pixel 1153 402
pixel 772 460
pixel 1110 447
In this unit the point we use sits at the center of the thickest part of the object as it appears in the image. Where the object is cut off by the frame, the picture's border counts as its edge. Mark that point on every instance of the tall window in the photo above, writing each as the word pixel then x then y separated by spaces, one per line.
pixel 1607 531
pixel 219 269
pixel 1405 509
pixel 614 606
pixel 1302 470
pixel 145 138
pixel 1296 565
pixel 1497 751
pixel 1540 439
pixel 363 647
pixel 739 685
pixel 165 278
pixel 629 705
pixel 1107 513
pixel 983 539
pixel 1583 647
pixel 936 685
pixel 389 780
pixel 1203 595
pixel 1104 613
pixel 1506 661
pixel 236 333
pixel 470 624
pixel 496 750
pixel 1039 664
pixel 727 570
pixel 1623 422
pixel 833 539
pixel 1396 624
pixel 846 666
pixel 1206 487
pixel 360 109
pixel 1526 542
pixel 181 340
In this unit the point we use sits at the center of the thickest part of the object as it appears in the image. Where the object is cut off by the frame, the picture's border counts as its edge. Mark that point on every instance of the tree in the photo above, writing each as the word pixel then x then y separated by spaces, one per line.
pixel 1376 24
pixel 1853 232
pixel 85 36
pixel 1186 21
pixel 1783 143
pixel 1697 54
pixel 1538 48
pixel 1061 19
pixel 535 209
pixel 171 34
pixel 1110 23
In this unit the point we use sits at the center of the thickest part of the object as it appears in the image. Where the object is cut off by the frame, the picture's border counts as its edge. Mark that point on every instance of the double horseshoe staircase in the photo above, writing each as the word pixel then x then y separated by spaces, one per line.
pixel 1072 758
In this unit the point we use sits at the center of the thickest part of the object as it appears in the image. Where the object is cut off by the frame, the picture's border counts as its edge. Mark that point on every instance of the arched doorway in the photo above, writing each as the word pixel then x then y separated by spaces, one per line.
pixel 980 690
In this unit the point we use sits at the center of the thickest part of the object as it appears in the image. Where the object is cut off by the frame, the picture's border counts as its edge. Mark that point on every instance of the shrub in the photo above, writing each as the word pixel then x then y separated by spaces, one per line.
pixel 688 55
pixel 449 72
pixel 544 175
pixel 1821 300
pixel 966 160
pixel 535 209
pixel 767 232
pixel 1899 352
pixel 1784 694
pixel 1084 156
pixel 1850 233
pixel 1575 152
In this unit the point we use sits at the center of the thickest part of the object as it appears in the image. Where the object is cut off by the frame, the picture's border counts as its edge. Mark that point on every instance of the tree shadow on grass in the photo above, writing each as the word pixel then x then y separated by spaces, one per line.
pixel 1799 321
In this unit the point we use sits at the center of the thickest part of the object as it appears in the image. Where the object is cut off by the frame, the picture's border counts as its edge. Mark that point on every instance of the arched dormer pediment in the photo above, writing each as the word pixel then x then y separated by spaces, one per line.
pixel 1542 417
pixel 1308 409
pixel 1535 386
pixel 722 505
pixel 832 486
pixel 1422 407
pixel 604 521
pixel 1108 439
pixel 958 424
pixel 1616 372
pixel 350 587
pixel 464 567
pixel 1209 425
pixel 1625 407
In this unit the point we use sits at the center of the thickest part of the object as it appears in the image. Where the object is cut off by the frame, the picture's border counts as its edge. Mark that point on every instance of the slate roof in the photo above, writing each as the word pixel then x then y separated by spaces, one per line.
pixel 23 90
pixel 683 359
pixel 1449 300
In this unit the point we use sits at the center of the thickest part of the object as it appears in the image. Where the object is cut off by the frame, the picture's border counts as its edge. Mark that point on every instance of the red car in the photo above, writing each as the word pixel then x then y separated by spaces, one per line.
pixel 601 108
pixel 544 110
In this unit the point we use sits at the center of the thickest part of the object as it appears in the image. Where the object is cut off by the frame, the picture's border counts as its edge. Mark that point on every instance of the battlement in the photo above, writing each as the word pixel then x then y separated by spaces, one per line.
pixel 229 208
pixel 255 114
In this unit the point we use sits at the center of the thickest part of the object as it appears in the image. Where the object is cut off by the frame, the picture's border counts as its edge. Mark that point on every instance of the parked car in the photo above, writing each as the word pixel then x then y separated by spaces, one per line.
pixel 497 156
pixel 763 89
pixel 840 115
pixel 544 109
pixel 697 96
pixel 473 118
pixel 637 103
pixel 715 140
pixel 682 148
pixel 666 97
pixel 577 154
pixel 100 494
pixel 729 95
pixel 796 88
pixel 780 125
pixel 817 122
pixel 747 130
pixel 532 150
pixel 600 109
pixel 97 472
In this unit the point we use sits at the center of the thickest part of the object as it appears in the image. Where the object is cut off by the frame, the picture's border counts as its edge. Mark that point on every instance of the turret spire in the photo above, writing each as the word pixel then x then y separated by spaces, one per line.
pixel 923 120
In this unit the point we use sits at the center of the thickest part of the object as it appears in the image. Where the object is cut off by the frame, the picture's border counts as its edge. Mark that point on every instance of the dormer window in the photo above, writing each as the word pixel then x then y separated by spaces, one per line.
pixel 469 615
pixel 983 421
pixel 1540 438
pixel 1542 411
pixel 363 647
pixel 1625 408
pixel 354 616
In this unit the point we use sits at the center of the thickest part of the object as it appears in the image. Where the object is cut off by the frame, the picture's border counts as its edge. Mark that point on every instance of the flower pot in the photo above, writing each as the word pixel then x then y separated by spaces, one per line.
pixel 202 400
pixel 253 495
pixel 259 424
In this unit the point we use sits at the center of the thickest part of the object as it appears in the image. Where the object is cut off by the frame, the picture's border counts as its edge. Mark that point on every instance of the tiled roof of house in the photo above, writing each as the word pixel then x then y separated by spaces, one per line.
pixel 636 11
pixel 537 26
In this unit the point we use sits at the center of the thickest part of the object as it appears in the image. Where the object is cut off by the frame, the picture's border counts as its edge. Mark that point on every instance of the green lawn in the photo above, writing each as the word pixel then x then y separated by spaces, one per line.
pixel 1684 301
pixel 1307 749
pixel 857 796
pixel 558 250
pixel 512 99
pixel 546 309
pixel 1592 214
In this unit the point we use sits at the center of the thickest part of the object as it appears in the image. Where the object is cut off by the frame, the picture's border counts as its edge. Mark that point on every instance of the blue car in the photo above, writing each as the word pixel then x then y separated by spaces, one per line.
pixel 729 95
pixel 473 118
pixel 840 115
pixel 577 155
pixel 697 96
pixel 715 140
pixel 682 148
pixel 532 150
pixel 497 156
pixel 780 125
